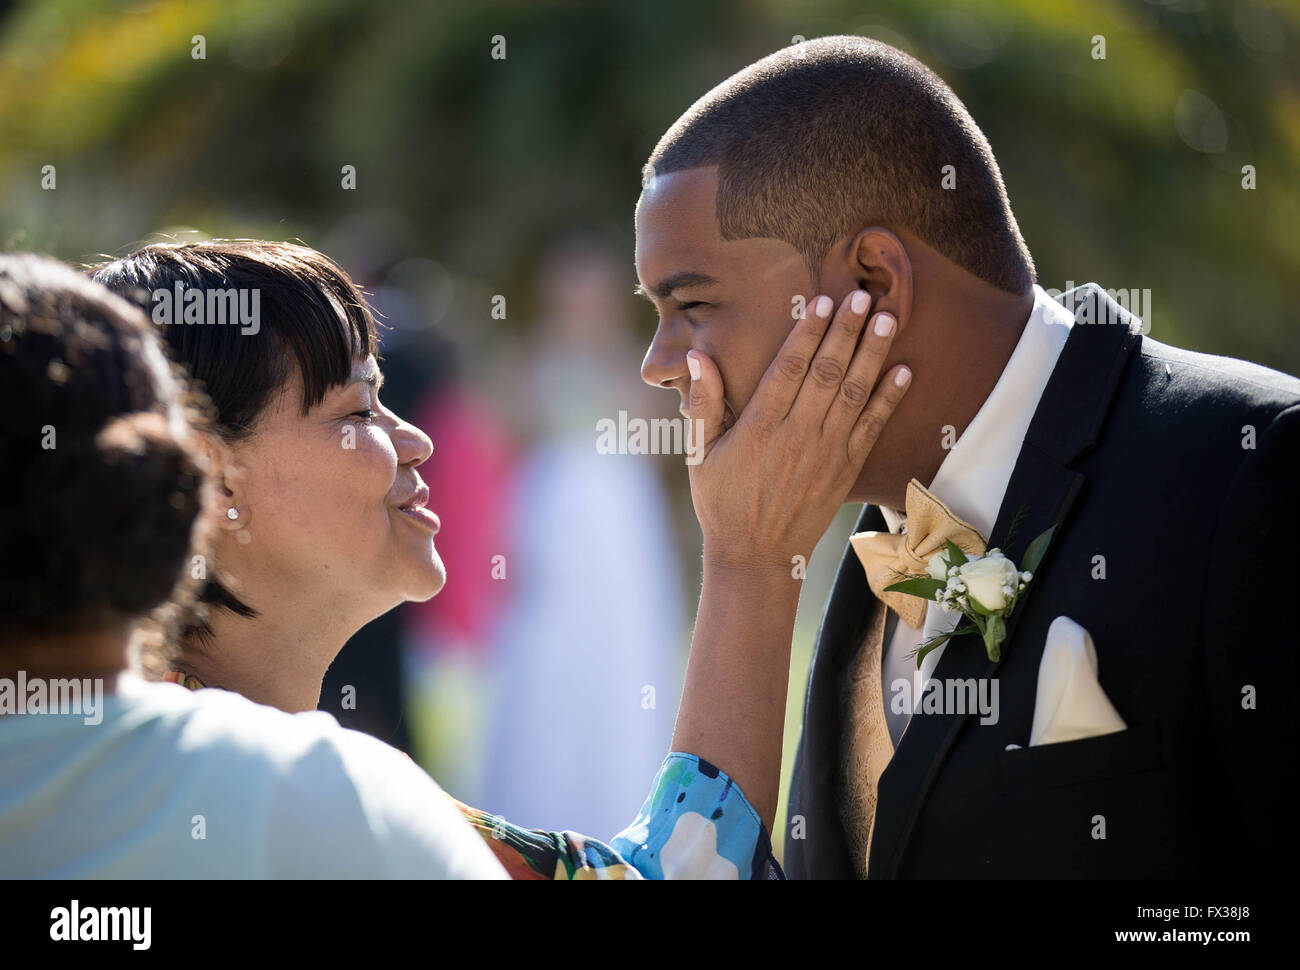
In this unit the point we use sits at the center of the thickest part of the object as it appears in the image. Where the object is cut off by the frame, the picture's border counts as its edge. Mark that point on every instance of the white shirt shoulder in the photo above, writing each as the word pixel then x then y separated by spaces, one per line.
pixel 178 783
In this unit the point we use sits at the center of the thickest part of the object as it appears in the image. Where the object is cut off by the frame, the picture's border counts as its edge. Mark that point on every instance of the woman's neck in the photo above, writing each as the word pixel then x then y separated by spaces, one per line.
pixel 276 658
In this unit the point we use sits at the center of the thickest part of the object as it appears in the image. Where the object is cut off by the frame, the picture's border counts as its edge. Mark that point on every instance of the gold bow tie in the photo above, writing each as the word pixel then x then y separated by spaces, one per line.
pixel 887 557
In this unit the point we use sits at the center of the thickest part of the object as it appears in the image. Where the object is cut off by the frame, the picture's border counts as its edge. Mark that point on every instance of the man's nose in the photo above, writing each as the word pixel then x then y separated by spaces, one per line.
pixel 665 361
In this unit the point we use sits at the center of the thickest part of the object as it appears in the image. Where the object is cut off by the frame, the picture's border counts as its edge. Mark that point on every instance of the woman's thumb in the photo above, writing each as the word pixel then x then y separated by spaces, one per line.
pixel 704 407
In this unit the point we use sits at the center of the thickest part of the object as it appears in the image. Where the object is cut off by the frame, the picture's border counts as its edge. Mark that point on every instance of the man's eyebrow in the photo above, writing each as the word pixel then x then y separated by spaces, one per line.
pixel 678 281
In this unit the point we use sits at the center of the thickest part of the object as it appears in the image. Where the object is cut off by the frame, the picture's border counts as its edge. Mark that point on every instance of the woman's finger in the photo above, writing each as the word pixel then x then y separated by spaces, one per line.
pixel 855 389
pixel 785 375
pixel 705 411
pixel 830 364
pixel 884 399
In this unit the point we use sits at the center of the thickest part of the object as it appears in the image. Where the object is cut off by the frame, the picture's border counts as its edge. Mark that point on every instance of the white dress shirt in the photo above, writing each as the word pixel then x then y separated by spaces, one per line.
pixel 972 481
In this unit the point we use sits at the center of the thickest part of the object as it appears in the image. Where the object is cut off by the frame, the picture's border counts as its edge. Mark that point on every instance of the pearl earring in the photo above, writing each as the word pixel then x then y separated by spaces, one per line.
pixel 232 513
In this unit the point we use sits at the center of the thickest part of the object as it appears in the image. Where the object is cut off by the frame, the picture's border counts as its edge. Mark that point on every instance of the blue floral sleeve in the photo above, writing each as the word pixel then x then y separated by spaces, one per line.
pixel 697 824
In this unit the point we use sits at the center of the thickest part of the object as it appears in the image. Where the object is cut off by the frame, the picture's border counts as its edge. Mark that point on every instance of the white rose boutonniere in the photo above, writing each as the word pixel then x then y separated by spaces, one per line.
pixel 990 580
pixel 984 589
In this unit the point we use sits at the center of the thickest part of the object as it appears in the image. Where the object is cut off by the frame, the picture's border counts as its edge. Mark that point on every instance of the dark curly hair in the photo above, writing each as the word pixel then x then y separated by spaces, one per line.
pixel 101 482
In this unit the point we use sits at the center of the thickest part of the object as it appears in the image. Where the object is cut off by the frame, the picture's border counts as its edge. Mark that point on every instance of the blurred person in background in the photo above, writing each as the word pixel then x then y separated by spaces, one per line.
pixel 606 616
pixel 450 662
pixel 105 516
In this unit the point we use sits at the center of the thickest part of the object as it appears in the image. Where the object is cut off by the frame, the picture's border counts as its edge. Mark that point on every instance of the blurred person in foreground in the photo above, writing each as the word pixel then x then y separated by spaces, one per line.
pixel 326 527
pixel 104 513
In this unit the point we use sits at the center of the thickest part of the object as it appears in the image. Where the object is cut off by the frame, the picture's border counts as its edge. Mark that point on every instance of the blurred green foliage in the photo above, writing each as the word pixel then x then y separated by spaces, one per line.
pixel 477 161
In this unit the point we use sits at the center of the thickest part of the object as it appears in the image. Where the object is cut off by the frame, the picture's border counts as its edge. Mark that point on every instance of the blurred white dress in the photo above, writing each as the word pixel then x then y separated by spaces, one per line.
pixel 591 652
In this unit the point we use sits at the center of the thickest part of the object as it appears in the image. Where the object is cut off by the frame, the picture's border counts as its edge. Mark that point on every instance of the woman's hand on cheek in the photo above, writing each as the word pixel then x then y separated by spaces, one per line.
pixel 766 489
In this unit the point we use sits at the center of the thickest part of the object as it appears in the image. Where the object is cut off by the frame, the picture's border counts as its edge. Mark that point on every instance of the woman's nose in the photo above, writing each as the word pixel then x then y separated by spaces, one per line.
pixel 413 446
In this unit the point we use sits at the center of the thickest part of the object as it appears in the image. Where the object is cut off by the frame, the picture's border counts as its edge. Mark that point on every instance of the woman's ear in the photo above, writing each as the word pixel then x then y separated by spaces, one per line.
pixel 884 270
pixel 228 486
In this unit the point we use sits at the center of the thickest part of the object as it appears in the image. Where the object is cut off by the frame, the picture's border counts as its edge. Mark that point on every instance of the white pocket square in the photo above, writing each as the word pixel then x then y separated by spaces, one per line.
pixel 1070 704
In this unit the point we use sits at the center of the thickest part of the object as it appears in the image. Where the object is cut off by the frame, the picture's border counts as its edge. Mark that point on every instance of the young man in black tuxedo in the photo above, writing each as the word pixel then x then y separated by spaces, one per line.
pixel 1140 723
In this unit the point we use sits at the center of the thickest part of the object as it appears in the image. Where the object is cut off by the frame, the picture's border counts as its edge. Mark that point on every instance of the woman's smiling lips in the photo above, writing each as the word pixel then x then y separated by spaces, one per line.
pixel 414 508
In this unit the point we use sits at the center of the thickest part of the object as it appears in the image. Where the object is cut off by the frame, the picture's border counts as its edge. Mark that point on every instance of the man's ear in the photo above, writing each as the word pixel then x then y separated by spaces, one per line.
pixel 874 260
pixel 885 272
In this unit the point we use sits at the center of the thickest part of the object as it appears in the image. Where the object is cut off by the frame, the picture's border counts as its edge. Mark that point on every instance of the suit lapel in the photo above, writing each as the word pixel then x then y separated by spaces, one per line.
pixel 1043 489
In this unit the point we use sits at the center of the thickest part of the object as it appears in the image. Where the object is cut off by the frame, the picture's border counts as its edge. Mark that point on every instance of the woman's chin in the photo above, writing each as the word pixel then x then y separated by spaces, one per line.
pixel 432 576
pixel 416 570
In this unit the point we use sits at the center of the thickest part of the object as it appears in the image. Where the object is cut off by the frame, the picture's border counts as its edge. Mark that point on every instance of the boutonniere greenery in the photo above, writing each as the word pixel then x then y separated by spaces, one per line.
pixel 984 589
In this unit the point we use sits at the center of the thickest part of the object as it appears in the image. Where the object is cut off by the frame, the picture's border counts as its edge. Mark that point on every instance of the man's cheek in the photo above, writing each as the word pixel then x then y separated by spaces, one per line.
pixel 734 388
pixel 741 388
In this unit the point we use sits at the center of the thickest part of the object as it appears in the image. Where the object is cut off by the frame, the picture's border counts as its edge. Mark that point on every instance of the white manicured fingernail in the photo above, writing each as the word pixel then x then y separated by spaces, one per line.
pixel 823 307
pixel 693 366
pixel 903 376
pixel 860 301
pixel 884 325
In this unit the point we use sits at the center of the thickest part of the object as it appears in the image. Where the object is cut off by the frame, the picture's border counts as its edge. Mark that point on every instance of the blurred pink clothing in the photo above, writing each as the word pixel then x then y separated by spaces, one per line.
pixel 469 477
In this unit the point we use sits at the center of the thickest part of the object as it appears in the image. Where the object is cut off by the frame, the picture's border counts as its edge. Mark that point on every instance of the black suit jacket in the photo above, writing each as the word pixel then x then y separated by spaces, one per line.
pixel 1143 455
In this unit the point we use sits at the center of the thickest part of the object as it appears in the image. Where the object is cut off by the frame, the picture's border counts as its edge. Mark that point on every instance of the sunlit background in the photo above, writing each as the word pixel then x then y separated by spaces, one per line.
pixel 523 687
